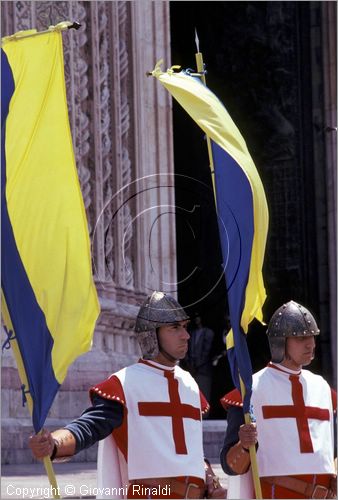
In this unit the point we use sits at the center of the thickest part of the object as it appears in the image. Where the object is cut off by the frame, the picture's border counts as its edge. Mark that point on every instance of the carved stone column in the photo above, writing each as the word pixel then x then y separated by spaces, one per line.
pixel 122 135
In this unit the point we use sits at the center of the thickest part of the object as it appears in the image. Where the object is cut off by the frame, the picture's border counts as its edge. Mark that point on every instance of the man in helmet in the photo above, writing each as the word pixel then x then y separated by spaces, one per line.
pixel 294 412
pixel 147 418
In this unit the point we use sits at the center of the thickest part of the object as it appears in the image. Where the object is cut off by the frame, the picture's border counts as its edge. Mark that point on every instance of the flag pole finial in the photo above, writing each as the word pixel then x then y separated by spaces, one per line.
pixel 197 42
pixel 157 69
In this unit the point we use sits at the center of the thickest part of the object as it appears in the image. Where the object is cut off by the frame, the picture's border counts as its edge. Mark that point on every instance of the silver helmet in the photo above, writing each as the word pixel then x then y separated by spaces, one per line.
pixel 290 320
pixel 159 309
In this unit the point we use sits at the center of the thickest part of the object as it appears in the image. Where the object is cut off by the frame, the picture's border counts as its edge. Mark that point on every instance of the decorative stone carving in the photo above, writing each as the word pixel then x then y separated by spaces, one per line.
pixel 23 18
pixel 100 159
pixel 127 278
pixel 45 14
pixel 80 115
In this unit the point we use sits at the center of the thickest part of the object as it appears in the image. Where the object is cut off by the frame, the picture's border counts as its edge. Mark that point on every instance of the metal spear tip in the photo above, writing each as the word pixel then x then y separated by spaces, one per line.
pixel 75 25
pixel 197 42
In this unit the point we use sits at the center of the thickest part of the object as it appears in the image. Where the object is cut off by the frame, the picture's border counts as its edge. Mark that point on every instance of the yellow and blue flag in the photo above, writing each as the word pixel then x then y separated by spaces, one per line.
pixel 46 275
pixel 242 213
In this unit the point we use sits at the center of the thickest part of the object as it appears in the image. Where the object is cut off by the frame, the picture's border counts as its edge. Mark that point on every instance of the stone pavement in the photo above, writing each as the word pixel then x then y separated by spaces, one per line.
pixel 75 480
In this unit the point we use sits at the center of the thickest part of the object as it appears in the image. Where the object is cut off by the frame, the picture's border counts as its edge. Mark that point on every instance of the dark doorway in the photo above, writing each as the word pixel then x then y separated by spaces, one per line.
pixel 258 61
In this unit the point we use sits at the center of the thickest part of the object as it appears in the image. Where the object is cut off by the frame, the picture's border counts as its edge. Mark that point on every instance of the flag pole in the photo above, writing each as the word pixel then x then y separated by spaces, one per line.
pixel 247 418
pixel 252 450
pixel 19 35
pixel 200 69
pixel 24 381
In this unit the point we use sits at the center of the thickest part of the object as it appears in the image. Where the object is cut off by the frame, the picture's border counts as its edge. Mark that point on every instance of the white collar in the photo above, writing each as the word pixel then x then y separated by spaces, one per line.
pixel 284 369
pixel 157 365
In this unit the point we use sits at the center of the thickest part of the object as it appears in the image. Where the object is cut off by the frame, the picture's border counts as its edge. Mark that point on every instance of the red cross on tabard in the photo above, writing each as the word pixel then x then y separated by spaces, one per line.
pixel 298 411
pixel 174 409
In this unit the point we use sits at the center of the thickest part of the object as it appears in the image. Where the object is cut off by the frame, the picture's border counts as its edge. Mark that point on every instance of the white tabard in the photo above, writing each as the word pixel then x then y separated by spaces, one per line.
pixel 281 435
pixel 164 427
pixel 151 442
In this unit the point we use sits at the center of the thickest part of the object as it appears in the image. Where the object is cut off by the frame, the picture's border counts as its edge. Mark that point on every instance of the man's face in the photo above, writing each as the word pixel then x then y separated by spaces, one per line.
pixel 300 350
pixel 173 339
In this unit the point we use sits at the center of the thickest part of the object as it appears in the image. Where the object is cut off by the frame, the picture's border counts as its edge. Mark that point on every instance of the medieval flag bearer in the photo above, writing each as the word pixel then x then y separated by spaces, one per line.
pixel 294 410
pixel 148 416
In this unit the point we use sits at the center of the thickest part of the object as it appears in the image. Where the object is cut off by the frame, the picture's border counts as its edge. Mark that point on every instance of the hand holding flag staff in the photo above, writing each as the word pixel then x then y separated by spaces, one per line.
pixel 49 299
pixel 242 215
